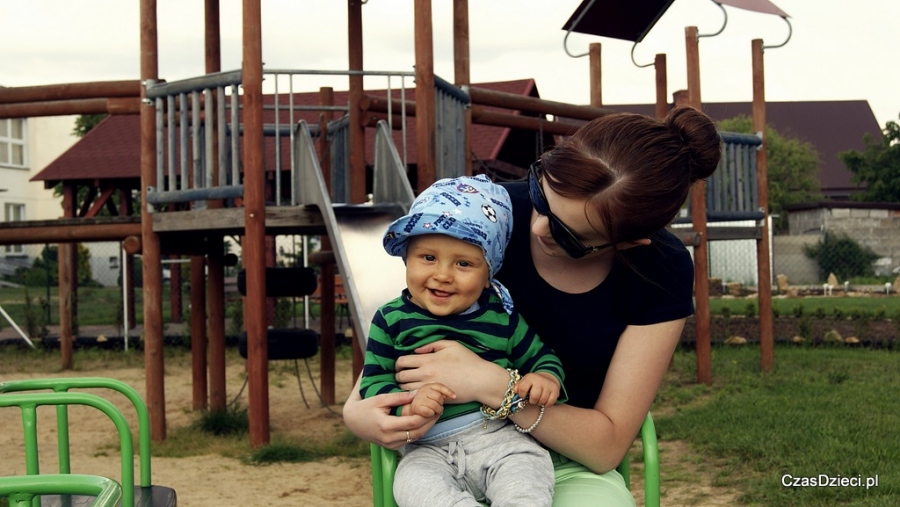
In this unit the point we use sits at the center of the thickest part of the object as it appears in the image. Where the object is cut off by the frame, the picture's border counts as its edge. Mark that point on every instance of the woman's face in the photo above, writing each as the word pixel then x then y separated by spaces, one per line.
pixel 445 275
pixel 571 212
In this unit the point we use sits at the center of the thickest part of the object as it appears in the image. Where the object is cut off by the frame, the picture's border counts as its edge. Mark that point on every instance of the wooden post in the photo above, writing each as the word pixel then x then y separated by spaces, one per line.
pixel 150 260
pixel 461 73
pixel 596 74
pixel 357 130
pixel 425 96
pixel 255 227
pixel 125 205
pixel 698 219
pixel 215 290
pixel 662 85
pixel 64 270
pixel 176 303
pixel 215 260
pixel 271 261
pixel 326 291
pixel 198 333
pixel 766 325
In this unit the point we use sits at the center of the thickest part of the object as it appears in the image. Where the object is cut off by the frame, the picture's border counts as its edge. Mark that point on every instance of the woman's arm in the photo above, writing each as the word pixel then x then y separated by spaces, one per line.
pixel 370 419
pixel 450 363
pixel 600 437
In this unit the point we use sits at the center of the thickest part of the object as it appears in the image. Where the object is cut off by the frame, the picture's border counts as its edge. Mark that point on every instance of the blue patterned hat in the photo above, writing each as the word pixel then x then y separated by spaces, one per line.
pixel 472 209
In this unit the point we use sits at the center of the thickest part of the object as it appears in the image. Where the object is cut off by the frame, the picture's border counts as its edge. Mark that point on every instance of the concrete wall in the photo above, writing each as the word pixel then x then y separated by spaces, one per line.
pixel 873 226
pixel 789 259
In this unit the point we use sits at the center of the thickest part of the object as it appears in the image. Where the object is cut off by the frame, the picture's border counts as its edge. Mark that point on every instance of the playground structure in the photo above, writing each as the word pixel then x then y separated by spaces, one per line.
pixel 218 157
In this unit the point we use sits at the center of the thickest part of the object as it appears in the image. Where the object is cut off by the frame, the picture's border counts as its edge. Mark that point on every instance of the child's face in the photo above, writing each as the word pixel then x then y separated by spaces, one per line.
pixel 445 275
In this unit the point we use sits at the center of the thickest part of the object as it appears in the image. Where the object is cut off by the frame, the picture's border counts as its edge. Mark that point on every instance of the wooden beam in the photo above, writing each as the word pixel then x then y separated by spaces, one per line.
pixel 103 200
pixel 376 109
pixel 483 116
pixel 698 213
pixel 426 161
pixel 70 91
pixel 61 231
pixel 253 246
pixel 152 268
pixel 461 72
pixel 764 280
pixel 65 268
pixel 596 74
pixel 327 346
pixel 505 100
pixel 215 280
pixel 120 105
pixel 357 130
pixel 662 86
pixel 280 219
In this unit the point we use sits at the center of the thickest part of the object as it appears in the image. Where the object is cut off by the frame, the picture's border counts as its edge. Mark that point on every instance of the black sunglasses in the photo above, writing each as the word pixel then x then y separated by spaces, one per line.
pixel 561 233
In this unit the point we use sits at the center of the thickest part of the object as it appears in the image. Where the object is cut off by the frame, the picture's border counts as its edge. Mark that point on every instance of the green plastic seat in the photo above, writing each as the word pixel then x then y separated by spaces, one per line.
pixel 384 464
pixel 21 490
pixel 26 396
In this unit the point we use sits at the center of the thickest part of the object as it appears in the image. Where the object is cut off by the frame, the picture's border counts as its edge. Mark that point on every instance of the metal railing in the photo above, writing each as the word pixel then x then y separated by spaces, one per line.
pixel 192 139
pixel 450 136
pixel 198 129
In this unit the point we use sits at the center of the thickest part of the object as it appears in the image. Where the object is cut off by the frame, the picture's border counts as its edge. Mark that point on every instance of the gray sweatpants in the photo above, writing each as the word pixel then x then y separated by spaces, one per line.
pixel 473 463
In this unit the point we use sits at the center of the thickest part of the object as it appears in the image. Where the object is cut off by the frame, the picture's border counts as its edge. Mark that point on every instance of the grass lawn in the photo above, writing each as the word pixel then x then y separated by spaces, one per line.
pixel 829 411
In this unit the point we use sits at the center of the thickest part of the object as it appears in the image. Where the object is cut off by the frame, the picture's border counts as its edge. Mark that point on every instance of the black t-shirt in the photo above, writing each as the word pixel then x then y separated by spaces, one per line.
pixel 584 329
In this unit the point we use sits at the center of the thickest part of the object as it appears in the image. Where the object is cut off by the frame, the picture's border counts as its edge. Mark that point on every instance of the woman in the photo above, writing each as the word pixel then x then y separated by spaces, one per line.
pixel 600 280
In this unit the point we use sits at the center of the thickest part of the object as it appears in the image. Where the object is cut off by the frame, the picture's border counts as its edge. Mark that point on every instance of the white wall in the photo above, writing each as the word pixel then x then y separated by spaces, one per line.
pixel 47 138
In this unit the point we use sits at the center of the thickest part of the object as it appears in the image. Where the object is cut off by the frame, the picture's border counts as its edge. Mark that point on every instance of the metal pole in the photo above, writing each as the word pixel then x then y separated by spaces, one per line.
pixel 9 319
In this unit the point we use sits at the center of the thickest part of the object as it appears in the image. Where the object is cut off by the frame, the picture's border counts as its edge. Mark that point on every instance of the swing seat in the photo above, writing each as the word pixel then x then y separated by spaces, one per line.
pixel 384 464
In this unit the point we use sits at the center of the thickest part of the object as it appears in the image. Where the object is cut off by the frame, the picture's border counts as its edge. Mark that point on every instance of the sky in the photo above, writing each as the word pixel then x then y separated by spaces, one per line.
pixel 838 50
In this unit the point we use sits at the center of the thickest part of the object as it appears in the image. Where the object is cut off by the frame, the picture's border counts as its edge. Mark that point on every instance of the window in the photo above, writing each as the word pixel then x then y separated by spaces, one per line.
pixel 14 213
pixel 12 142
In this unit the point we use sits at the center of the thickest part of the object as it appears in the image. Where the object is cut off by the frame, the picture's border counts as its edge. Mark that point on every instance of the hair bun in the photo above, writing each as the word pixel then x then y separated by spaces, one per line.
pixel 701 139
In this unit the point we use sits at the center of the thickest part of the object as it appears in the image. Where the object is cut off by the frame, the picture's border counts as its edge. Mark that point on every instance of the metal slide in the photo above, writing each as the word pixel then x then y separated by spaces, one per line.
pixel 371 277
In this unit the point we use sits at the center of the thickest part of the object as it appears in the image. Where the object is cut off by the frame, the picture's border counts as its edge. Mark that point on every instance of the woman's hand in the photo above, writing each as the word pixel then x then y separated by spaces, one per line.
pixel 450 363
pixel 370 419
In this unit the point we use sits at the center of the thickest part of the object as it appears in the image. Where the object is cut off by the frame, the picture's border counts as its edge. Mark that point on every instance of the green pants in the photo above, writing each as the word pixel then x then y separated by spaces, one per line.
pixel 576 486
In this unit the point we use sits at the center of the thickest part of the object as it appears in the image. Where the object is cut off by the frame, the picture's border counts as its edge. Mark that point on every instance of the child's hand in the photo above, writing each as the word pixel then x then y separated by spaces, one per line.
pixel 430 398
pixel 541 388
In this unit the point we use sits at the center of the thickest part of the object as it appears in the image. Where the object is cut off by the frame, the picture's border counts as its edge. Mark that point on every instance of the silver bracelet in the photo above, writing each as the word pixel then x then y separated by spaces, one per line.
pixel 533 426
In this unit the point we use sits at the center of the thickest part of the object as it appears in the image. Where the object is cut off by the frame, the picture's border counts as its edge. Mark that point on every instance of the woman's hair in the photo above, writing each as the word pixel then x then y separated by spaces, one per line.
pixel 635 171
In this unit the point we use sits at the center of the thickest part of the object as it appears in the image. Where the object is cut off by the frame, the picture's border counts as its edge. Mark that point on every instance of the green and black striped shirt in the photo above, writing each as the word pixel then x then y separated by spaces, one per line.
pixel 399 327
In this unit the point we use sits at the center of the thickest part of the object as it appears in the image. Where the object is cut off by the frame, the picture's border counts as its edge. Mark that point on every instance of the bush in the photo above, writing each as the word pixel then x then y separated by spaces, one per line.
pixel 842 256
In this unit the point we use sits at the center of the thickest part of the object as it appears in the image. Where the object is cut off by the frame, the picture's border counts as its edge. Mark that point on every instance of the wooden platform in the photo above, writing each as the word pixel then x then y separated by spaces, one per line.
pixel 226 221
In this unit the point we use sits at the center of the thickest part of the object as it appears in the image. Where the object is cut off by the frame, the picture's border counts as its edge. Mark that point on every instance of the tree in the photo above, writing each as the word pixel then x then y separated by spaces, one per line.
pixel 45 269
pixel 793 168
pixel 878 166
pixel 85 122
